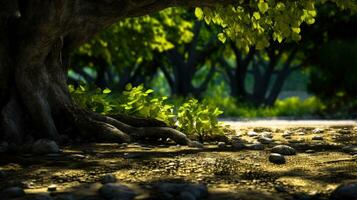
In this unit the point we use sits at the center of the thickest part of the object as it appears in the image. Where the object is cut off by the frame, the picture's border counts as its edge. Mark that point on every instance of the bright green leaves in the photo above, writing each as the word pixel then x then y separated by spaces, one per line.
pixel 199 13
pixel 255 22
pixel 263 6
pixel 222 37
pixel 198 119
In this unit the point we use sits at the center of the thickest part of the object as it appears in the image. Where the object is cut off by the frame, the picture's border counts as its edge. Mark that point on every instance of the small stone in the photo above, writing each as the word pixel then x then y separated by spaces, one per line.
pixel 279 188
pixel 352 149
pixel 287 133
pixel 13 192
pixel 2 174
pixel 345 191
pixel 301 133
pixel 44 146
pixel 317 137
pixel 277 158
pixel 195 144
pixel 265 140
pixel 318 130
pixel 252 133
pixel 116 191
pixel 256 146
pixel 221 145
pixel 198 191
pixel 267 134
pixel 238 144
pixel 310 151
pixel 283 150
pixel 52 188
pixel 109 178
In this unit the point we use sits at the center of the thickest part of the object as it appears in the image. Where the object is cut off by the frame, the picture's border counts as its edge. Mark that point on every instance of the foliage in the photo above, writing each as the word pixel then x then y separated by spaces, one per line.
pixel 254 23
pixel 289 107
pixel 197 119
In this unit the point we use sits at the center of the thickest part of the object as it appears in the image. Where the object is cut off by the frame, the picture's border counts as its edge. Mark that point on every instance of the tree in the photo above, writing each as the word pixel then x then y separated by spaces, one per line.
pixel 37 37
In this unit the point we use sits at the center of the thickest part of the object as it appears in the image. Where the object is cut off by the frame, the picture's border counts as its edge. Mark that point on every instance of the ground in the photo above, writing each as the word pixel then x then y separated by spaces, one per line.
pixel 314 172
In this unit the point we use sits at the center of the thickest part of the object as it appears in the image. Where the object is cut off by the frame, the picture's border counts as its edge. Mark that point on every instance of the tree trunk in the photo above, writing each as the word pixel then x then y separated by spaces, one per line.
pixel 34 58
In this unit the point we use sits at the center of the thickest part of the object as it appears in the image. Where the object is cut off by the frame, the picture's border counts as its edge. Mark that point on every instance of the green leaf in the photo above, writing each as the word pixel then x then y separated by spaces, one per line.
pixel 199 13
pixel 222 37
pixel 263 6
pixel 106 91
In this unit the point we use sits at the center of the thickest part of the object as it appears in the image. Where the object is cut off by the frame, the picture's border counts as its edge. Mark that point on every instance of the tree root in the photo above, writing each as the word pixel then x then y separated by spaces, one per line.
pixel 108 129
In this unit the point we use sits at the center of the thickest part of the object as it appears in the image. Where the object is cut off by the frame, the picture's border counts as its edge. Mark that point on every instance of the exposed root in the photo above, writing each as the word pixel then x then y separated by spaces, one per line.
pixel 110 129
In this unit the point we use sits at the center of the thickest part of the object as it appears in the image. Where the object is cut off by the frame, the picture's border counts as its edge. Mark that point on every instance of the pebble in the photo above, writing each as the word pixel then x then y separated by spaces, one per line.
pixel 114 191
pixel 221 145
pixel 310 151
pixel 277 158
pixel 352 149
pixel 238 144
pixel 44 146
pixel 2 174
pixel 252 134
pixel 318 130
pixel 345 191
pixel 65 197
pixel 283 150
pixel 265 140
pixel 267 134
pixel 109 178
pixel 317 137
pixel 13 192
pixel 287 133
pixel 52 188
pixel 301 133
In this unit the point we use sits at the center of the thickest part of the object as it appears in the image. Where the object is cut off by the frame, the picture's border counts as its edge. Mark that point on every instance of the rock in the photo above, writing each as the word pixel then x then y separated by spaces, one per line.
pixel 44 146
pixel 352 149
pixel 262 129
pixel 238 144
pixel 265 140
pixel 310 151
pixel 317 137
pixel 4 146
pixel 195 144
pixel 116 191
pixel 279 188
pixel 52 188
pixel 318 130
pixel 221 145
pixel 2 174
pixel 256 146
pixel 109 178
pixel 252 134
pixel 277 158
pixel 267 134
pixel 193 191
pixel 13 192
pixel 301 133
pixel 283 150
pixel 287 133
pixel 346 191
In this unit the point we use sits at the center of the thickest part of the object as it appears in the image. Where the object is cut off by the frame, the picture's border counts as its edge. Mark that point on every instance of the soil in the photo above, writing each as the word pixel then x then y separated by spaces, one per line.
pixel 315 171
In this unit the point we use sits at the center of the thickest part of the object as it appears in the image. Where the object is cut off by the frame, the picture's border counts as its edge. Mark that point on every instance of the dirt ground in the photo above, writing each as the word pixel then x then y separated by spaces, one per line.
pixel 314 172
